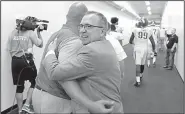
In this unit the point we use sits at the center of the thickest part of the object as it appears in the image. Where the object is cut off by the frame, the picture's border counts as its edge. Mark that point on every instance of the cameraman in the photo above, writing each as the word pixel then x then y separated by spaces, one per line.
pixel 20 46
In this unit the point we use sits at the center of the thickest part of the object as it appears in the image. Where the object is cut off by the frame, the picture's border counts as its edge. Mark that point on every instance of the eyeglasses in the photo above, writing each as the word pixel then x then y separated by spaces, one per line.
pixel 88 26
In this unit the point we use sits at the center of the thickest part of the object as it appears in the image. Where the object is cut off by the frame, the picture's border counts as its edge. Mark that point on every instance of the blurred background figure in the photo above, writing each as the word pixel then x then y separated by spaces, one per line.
pixel 114 38
pixel 162 39
pixel 116 28
pixel 156 37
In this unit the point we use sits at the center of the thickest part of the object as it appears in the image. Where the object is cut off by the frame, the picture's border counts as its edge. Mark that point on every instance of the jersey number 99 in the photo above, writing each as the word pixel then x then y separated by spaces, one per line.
pixel 142 35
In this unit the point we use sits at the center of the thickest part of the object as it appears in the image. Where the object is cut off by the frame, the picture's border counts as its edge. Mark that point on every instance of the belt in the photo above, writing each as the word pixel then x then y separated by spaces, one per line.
pixel 39 88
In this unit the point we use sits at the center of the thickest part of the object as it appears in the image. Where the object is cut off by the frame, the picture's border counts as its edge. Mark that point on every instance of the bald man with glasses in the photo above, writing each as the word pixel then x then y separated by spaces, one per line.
pixel 95 66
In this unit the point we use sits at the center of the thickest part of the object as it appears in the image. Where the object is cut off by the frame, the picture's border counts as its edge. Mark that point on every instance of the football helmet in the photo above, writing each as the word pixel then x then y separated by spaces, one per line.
pixel 143 22
pixel 153 23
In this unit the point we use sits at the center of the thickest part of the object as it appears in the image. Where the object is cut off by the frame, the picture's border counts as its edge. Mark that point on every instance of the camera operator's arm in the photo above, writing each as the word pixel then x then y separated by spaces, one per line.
pixel 40 37
pixel 36 39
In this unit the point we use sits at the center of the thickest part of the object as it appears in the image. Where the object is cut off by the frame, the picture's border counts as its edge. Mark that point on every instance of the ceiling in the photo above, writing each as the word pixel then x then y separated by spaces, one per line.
pixel 140 8
pixel 157 8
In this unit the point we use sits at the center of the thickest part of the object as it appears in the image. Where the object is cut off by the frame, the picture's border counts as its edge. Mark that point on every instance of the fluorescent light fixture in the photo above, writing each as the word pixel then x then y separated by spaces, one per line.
pixel 148 8
pixel 147 3
pixel 126 6
pixel 149 12
pixel 123 9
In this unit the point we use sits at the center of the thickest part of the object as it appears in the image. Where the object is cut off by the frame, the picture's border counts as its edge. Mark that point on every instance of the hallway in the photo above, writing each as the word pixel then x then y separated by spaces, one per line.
pixel 161 92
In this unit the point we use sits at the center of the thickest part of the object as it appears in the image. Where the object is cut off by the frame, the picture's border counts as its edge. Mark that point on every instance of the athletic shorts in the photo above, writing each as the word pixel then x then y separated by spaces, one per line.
pixel 140 55
pixel 22 70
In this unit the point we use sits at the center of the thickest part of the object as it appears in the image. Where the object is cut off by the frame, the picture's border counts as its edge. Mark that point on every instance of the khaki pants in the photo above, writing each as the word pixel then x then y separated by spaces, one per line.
pixel 44 102
pixel 162 43
pixel 122 67
pixel 170 57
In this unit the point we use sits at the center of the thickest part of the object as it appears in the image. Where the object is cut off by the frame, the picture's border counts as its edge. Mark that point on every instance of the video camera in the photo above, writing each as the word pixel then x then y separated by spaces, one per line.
pixel 30 23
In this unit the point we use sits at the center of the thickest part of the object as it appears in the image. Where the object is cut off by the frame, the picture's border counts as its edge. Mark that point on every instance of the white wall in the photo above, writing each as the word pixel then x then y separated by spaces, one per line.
pixel 173 17
pixel 54 12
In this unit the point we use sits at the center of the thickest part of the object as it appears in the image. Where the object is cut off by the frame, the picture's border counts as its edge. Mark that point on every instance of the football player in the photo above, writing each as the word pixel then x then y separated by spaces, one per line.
pixel 156 36
pixel 140 35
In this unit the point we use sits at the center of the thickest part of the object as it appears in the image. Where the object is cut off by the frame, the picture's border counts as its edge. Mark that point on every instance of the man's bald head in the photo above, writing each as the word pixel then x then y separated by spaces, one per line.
pixel 76 11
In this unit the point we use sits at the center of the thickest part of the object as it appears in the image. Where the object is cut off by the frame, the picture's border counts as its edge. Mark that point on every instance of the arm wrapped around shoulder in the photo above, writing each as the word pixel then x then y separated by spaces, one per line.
pixel 76 67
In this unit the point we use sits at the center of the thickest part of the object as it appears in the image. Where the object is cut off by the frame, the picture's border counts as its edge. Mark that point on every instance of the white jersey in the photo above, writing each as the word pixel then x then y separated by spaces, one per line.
pixel 113 37
pixel 162 33
pixel 156 33
pixel 141 36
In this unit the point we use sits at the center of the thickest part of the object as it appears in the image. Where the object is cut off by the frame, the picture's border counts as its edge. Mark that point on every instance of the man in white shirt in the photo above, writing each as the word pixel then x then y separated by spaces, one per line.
pixel 162 39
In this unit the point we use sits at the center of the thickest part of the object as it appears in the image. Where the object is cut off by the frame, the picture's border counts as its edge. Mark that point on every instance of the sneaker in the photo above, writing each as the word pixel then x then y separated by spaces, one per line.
pixel 165 66
pixel 20 112
pixel 141 77
pixel 27 109
pixel 31 107
pixel 169 68
pixel 154 65
pixel 137 84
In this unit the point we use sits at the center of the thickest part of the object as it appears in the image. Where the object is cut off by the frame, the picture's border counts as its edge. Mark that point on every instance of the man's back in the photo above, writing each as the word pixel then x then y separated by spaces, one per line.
pixel 141 37
pixel 53 87
pixel 105 81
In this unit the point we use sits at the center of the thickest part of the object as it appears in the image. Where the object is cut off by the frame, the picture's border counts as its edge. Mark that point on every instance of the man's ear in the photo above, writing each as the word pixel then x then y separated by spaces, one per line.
pixel 103 32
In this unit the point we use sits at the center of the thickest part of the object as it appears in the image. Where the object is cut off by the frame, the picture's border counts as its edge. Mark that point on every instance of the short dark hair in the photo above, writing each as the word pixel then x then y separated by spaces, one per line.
pixel 113 27
pixel 114 20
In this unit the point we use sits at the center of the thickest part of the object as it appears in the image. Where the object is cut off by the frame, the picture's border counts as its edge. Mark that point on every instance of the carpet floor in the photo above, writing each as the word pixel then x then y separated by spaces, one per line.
pixel 161 91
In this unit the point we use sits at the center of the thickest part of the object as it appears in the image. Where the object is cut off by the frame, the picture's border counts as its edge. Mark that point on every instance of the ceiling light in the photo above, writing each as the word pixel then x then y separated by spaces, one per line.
pixel 126 6
pixel 148 8
pixel 123 9
pixel 147 3
pixel 149 12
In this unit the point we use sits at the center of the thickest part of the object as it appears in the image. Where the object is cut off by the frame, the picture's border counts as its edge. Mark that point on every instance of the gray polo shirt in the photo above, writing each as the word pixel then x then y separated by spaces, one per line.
pixel 21 41
pixel 97 69
pixel 68 44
